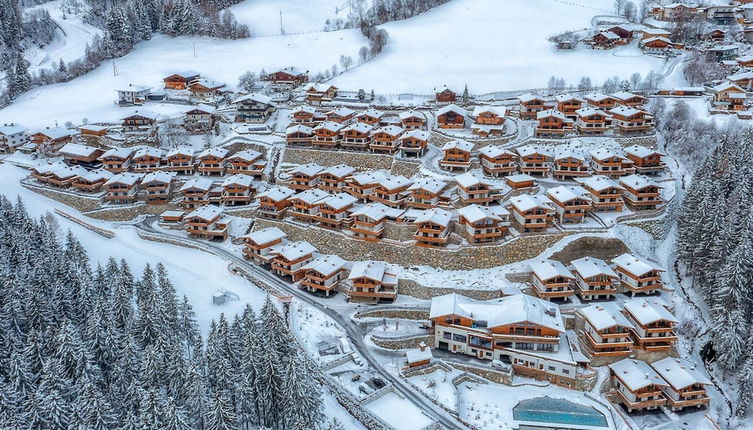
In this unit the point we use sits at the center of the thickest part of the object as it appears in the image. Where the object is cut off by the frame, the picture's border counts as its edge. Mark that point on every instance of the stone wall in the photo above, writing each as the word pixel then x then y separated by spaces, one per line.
pixel 654 227
pixel 401 343
pixel 486 373
pixel 80 203
pixel 129 212
pixel 597 247
pixel 358 160
pixel 481 257
pixel 405 168
pixel 408 287
pixel 400 313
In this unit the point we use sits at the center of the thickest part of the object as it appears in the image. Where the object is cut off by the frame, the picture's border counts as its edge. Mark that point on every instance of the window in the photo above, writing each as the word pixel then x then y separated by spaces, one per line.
pixel 459 338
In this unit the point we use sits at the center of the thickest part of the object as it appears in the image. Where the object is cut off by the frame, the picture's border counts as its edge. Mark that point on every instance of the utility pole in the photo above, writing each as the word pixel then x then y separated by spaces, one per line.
pixel 194 49
pixel 114 69
pixel 282 31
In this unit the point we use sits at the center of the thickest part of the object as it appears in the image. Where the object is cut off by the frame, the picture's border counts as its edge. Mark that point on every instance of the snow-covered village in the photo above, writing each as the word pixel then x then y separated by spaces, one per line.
pixel 376 215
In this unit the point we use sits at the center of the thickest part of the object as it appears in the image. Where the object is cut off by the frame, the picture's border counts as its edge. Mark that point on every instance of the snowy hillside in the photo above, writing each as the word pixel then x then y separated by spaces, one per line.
pixel 263 16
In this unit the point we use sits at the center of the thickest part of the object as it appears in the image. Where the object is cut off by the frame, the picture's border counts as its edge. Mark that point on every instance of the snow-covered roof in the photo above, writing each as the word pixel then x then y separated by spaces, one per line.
pixel 564 154
pixel 371 112
pixel 216 152
pixel 238 179
pixel 598 182
pixel 341 111
pixel 636 374
pixel 624 95
pixel 551 113
pixel 609 35
pixel 588 111
pixel 203 108
pixel 458 144
pixel 394 182
pixel 527 150
pixel 117 153
pixel 311 196
pixel 604 315
pixel 246 155
pixel 185 74
pixel 452 108
pixel 635 264
pixel 520 177
pixel 255 97
pixel 180 150
pixel 66 172
pixel 134 88
pixel 266 235
pixel 208 83
pixel 437 216
pixel 548 269
pixel 565 193
pixel 625 110
pixel 641 151
pixel 497 110
pixel 494 151
pixel 97 175
pixel 587 267
pixel 338 171
pixel 469 179
pixel 309 169
pixel 296 250
pixel 728 86
pixel 126 178
pixel 647 311
pixel 198 183
pixel 417 134
pixel 648 30
pixel 596 97
pixel 391 130
pixel 55 132
pixel 329 125
pixel 375 211
pixel 656 38
pixel 206 212
pixel 78 150
pixel 566 97
pixel 638 182
pixel 339 201
pixel 527 97
pixel 359 127
pixel 411 114
pixel 741 75
pixel 367 178
pixel 502 311
pixel 525 202
pixel 143 113
pixel 417 355
pixel 11 129
pixel 603 154
pixel 431 185
pixel 149 152
pixel 325 265
pixel 375 270
pixel 679 374
pixel 299 128
pixel 475 213
pixel 162 177
pixel 304 108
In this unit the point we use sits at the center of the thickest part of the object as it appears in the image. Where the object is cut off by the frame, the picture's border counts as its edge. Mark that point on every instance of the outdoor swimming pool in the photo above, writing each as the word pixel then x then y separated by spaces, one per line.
pixel 558 411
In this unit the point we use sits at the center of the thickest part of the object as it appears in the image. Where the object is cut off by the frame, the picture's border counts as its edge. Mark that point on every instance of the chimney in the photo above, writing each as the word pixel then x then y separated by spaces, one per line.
pixel 422 346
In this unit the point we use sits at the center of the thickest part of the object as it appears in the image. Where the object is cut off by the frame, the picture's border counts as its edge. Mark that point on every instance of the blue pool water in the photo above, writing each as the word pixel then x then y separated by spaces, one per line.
pixel 558 411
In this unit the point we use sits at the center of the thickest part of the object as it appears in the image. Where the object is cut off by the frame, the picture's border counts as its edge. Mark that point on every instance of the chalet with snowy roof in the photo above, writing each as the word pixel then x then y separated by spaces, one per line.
pixel 629 120
pixel 743 80
pixel 204 87
pixel 656 45
pixel 147 160
pixel 605 40
pixel 715 35
pixel 552 123
pixel 180 80
pixel 11 137
pixel 392 191
pixel 653 324
pixel 729 97
pixel 629 99
pixel 371 281
pixel 92 181
pixel 75 153
pixel 323 274
pixel 258 245
pixel 413 143
pixel 341 115
pixel 446 96
pixel 273 202
pixel 483 224
pixel 116 160
pixel 171 217
pixel 606 194
pixel 50 140
pixel 533 160
pixel 287 76
pixel 594 279
pixel 571 203
pixel 207 222
pixel 199 118
pixel 676 12
pixel 610 163
pixel 568 104
pixel 600 101
pixel 356 136
pixel 139 121
pixel 370 117
pixel 93 132
pixel 473 188
pixel 648 33
pixel 361 185
pixel 425 193
pixel 645 160
pixel 253 108
pixel 303 114
pixel 369 220
pixel 58 175
pixel 451 116
pixel 385 139
pixel 606 331
pixel 532 212
pixel 335 210
pixel 195 193
pixel 305 176
pixel 591 121
pixel 456 155
pixel 303 135
pixel 496 161
pixel 638 275
pixel 289 259
pixel 316 94
pixel 625 33
pixel 433 227
pixel 327 135
pixel 520 181
pixel 412 120
pixel 530 105
pixel 490 329
pixel 333 178
pixel 637 385
pixel 238 189
pixel 488 120
pixel 418 357
pixel 721 14
pixel 568 165
pixel 133 95
pixel 746 60
pixel 686 384
pixel 212 161
pixel 551 280
pixel 304 206
pixel 157 187
pixel 247 162
pixel 122 188
pixel 640 192
pixel 180 160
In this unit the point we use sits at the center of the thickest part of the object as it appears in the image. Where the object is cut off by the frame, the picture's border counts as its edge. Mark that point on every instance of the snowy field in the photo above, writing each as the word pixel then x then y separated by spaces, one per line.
pixel 492 45
pixel 399 413
pixel 263 16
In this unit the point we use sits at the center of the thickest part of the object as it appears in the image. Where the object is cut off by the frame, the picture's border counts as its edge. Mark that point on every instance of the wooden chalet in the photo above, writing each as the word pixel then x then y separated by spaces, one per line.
pixel 302 135
pixel 334 179
pixel 370 117
pixel 638 275
pixel 418 357
pixel 172 217
pixel 316 94
pixel 568 104
pixel 532 212
pixel 207 222
pixel 594 279
pixel 253 108
pixel 195 193
pixel 656 45
pixel 637 385
pixel 369 220
pixel 392 191
pixel 608 163
pixel 287 76
pixel 600 101
pixel 327 135
pixel 629 99
pixel 75 153
pixel 686 385
pixel 629 120
pixel 473 188
pixel 305 176
pixel 384 140
pixel 645 161
pixel 571 203
pixel 552 123
pixel 568 165
pixel 139 121
pixel 122 188
pixel 356 136
pixel 746 60
pixel 412 120
pixel 648 33
pixel 93 132
pixel 606 194
pixel 50 140
pixel 58 175
pixel 304 115
pixel 212 161
pixel 451 116
pixel 361 185
pixel 456 155
pixel 552 280
pixel 116 160
pixel 93 181
pixel 200 118
pixel 258 245
pixel 606 331
pixel 483 224
pixel 520 182
pixel 625 34
pixel 204 87
pixel 323 274
pixel 591 121
pixel 496 161
pixel 274 202
pixel 653 324
pixel 238 189
pixel 180 160
pixel 341 115
pixel 533 160
pixel 488 120
pixel 605 40
pixel 247 162
pixel 288 261
pixel 743 80
pixel 729 97
pixel 133 95
pixel 640 192
pixel 181 80
pixel 147 160
pixel 530 105
pixel 157 187
pixel 334 211
pixel 413 143
pixel 304 206
pixel 371 281
pixel 11 137
pixel 446 96
pixel 425 193
pixel 433 227
pixel 676 12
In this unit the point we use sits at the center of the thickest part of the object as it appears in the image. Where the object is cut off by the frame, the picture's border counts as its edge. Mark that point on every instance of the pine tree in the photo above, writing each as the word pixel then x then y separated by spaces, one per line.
pixel 220 415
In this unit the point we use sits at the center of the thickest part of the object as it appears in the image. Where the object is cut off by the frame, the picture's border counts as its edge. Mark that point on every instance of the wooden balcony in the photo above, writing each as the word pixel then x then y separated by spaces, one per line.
pixel 679 404
pixel 548 294
pixel 638 404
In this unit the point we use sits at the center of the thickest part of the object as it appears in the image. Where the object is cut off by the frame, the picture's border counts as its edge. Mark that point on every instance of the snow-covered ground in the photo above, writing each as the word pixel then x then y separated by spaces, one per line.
pixel 263 16
pixel 493 46
pixel 399 413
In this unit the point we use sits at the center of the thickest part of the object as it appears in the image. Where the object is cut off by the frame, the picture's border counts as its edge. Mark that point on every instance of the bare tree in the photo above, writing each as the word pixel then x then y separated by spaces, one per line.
pixel 346 62
pixel 363 54
pixel 635 79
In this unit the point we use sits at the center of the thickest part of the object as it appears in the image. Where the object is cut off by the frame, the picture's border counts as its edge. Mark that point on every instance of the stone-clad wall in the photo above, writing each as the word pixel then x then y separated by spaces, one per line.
pixel 402 343
pixel 80 203
pixel 409 314
pixel 411 288
pixel 482 257
pixel 359 160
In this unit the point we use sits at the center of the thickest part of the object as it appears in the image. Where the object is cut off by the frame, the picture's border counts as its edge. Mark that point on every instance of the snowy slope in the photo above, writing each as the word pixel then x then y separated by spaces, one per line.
pixel 263 16
pixel 492 45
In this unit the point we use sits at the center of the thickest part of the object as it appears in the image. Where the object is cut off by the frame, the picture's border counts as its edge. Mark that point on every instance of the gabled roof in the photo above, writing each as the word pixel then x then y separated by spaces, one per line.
pixel 126 178
pixel 636 374
pixel 161 177
pixel 469 179
pixel 296 250
pixel 608 34
pixel 97 175
pixel 339 201
pixel 206 212
pixel 527 97
pixel 635 264
pixel 587 267
pixel 180 150
pixel 78 150
pixel 203 108
pixel 657 38
pixel 185 74
pixel 341 111
pixel 246 155
pixel 641 151
pixel 325 265
pixel 67 172
pixel 567 97
pixel 117 153
pixel 525 202
pixel 520 177
pixel 437 216
pixel 394 182
pixel 647 311
pixel 431 185
pixel 604 315
pixel 149 152
pixel 625 95
pixel 598 182
pixel 330 125
pixel 238 179
pixel 255 97
pixel 417 134
pixel 143 113
pixel 452 108
pixel 311 196
pixel 475 213
pixel 277 193
pixel 391 130
pixel 728 86
pixel 208 83
pixel 494 151
pixel 374 270
pixel 604 153
pixel 588 111
pixel 374 211
pixel 299 128
pixel 367 178
pixel 625 110
pixel 548 269
pixel 551 113
pixel 638 182
pixel 198 183
pixel 338 171
pixel 309 169
pixel 458 144
pixel 596 97
pixel 11 129
pixel 303 108
pixel 411 114
pixel 264 236
pixel 566 153
pixel 213 152
pixel 497 110
pixel 359 127
pixel 565 193
pixel 371 112
pixel 526 150
pixel 679 374
pixel 55 132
